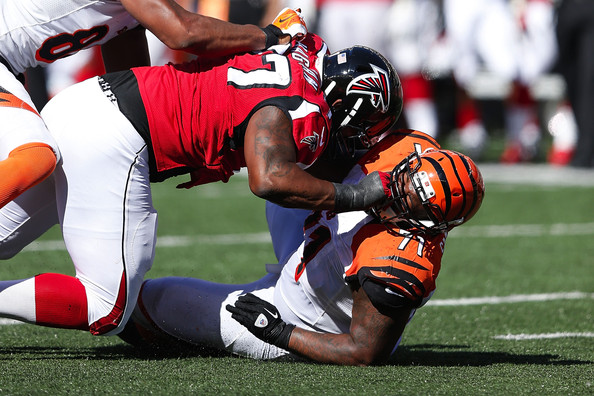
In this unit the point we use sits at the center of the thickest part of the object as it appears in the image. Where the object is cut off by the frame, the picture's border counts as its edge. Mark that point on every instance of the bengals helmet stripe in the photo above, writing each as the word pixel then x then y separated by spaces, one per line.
pixel 448 185
pixel 475 186
pixel 468 203
pixel 445 185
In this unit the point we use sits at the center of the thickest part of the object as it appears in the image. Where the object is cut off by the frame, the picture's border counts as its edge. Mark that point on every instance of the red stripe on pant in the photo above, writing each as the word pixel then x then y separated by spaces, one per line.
pixel 113 319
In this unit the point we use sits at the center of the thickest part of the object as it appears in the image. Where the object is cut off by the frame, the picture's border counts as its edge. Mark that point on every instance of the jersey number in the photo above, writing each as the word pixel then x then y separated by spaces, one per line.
pixel 318 238
pixel 276 73
pixel 66 44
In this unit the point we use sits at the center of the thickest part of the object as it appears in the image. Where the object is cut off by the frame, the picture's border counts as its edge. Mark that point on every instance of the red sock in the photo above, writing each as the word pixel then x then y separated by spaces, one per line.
pixel 60 301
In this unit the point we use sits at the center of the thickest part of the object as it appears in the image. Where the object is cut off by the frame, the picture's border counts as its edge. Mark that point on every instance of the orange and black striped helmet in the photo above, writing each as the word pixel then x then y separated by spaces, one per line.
pixel 448 184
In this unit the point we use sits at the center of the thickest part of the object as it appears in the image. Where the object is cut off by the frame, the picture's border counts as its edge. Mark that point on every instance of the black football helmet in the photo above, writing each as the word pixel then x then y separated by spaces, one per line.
pixel 364 94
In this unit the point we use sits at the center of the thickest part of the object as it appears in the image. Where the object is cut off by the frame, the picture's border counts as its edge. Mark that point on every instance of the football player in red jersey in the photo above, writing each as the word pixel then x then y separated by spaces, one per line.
pixel 208 118
pixel 345 295
pixel 37 33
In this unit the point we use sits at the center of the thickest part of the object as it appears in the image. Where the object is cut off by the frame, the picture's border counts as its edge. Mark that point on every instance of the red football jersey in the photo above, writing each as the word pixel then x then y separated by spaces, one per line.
pixel 198 111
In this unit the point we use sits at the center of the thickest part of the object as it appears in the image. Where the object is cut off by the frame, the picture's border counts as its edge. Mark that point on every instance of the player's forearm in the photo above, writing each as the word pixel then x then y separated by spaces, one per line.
pixel 329 348
pixel 213 37
pixel 295 189
pixel 181 29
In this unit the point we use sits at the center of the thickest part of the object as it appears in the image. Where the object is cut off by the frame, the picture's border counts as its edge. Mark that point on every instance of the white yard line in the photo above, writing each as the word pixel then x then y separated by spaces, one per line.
pixel 469 231
pixel 522 337
pixel 523 230
pixel 515 298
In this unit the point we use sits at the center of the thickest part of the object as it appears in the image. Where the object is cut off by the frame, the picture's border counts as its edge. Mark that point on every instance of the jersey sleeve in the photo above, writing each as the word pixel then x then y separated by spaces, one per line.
pixel 310 132
pixel 396 269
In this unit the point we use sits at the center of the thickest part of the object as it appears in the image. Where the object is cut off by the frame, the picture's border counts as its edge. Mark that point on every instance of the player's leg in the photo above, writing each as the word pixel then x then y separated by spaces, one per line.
pixel 286 229
pixel 27 217
pixel 193 311
pixel 105 202
pixel 28 154
pixel 106 213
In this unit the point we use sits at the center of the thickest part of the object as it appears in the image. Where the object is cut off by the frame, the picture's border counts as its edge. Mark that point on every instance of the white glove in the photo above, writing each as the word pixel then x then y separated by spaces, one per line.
pixel 290 22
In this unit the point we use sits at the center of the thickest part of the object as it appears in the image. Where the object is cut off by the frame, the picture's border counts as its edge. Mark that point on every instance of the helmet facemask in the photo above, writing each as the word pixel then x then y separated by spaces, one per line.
pixel 428 217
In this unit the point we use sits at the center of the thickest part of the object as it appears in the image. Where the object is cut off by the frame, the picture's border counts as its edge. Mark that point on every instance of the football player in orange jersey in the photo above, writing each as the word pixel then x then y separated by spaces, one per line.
pixel 345 295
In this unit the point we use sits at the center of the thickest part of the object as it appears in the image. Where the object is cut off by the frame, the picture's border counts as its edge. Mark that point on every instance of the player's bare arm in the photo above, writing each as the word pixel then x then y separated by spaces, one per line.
pixel 371 339
pixel 129 49
pixel 274 175
pixel 181 29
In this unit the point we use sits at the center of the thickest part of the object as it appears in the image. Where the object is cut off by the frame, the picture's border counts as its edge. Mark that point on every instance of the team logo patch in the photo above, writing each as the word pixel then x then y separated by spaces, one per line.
pixel 375 85
pixel 312 141
pixel 261 321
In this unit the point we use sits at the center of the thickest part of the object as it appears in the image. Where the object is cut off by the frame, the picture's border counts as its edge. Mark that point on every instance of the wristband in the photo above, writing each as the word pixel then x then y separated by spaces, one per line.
pixel 344 197
pixel 272 35
pixel 282 340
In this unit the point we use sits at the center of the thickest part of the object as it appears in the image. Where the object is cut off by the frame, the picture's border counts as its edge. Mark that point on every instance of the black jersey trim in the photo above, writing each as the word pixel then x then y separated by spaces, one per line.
pixel 124 87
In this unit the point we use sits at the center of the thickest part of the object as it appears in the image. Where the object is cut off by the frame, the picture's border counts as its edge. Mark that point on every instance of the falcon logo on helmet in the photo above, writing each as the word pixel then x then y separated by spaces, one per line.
pixel 375 85
pixel 364 94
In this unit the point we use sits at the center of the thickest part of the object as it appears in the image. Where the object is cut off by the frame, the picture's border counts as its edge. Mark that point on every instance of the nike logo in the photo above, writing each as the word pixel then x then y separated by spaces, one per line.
pixel 274 315
pixel 390 291
pixel 284 19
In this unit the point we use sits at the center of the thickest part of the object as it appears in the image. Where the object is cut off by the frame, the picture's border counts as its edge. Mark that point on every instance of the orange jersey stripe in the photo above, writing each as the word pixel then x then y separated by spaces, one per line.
pixel 9 100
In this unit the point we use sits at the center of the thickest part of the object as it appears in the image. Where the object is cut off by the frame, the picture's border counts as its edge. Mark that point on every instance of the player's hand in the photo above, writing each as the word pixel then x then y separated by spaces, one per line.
pixel 287 25
pixel 262 319
pixel 291 22
pixel 372 190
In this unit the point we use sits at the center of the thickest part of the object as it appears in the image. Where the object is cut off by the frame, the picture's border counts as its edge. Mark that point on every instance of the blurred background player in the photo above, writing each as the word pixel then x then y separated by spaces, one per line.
pixel 575 34
pixel 414 31
pixel 207 118
pixel 345 295
pixel 38 34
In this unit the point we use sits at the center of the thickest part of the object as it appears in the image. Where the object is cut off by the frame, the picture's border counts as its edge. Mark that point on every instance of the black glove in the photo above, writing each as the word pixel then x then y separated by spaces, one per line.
pixel 370 191
pixel 262 320
pixel 273 33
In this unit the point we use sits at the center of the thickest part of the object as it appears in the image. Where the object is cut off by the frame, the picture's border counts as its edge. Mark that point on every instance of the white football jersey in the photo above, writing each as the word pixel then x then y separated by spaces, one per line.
pixel 320 297
pixel 313 290
pixel 38 32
